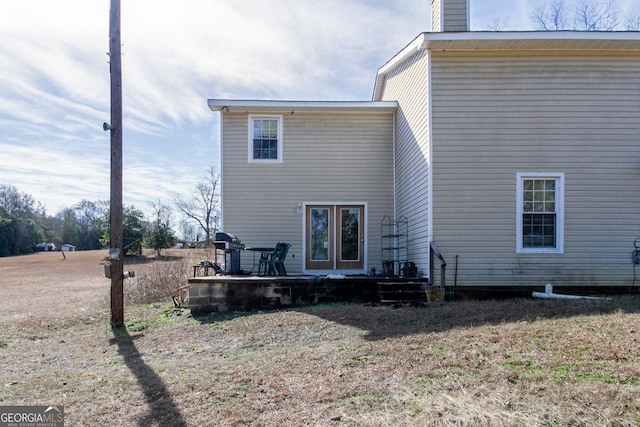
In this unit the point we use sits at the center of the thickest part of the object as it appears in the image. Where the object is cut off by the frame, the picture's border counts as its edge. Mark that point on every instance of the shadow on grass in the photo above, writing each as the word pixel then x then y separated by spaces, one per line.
pixel 163 410
pixel 381 322
pixel 391 322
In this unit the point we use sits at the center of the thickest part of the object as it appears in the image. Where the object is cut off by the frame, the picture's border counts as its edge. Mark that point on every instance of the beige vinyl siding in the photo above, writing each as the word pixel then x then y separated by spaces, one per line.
pixel 435 15
pixel 496 116
pixel 341 157
pixel 408 84
pixel 449 15
pixel 455 15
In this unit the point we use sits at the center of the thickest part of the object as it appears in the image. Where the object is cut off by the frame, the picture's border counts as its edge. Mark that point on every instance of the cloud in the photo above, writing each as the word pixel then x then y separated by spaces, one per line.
pixel 275 49
pixel 54 81
pixel 53 174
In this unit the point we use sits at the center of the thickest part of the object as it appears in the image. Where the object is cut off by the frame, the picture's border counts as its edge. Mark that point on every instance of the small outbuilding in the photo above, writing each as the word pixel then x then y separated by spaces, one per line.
pixel 45 247
pixel 67 248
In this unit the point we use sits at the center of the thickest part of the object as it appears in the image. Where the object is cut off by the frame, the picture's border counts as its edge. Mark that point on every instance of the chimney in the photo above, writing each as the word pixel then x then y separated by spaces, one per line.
pixel 449 15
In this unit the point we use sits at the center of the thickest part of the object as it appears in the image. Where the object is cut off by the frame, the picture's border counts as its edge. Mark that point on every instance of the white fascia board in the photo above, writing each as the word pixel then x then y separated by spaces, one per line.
pixel 416 45
pixel 509 40
pixel 248 104
pixel 533 35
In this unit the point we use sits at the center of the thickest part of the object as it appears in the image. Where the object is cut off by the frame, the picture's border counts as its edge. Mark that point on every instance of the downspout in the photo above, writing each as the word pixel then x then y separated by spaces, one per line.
pixel 221 172
pixel 395 198
pixel 430 165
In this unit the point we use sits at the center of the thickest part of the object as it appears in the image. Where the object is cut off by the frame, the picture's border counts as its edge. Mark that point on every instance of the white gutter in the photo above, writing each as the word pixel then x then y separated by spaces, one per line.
pixel 226 105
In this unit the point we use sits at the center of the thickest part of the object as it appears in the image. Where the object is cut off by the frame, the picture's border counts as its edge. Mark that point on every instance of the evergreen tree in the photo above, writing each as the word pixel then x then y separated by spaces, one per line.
pixel 133 231
pixel 160 235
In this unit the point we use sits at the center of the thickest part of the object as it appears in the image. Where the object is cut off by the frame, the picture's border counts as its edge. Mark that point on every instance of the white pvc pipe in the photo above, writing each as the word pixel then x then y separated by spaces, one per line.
pixel 548 294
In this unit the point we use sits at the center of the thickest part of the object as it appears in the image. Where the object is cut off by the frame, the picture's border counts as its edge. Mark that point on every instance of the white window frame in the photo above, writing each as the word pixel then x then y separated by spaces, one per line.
pixel 250 142
pixel 559 204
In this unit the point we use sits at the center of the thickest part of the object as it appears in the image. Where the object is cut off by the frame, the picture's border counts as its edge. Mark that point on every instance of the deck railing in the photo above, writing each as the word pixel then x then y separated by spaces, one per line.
pixel 434 253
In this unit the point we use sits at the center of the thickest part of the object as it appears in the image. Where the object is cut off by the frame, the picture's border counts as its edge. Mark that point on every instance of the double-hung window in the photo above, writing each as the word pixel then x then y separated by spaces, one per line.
pixel 540 210
pixel 265 139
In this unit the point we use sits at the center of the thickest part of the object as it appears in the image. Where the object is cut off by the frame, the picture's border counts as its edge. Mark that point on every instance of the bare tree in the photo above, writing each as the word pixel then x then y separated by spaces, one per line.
pixel 584 15
pixel 632 22
pixel 498 24
pixel 188 230
pixel 203 203
pixel 551 17
pixel 597 16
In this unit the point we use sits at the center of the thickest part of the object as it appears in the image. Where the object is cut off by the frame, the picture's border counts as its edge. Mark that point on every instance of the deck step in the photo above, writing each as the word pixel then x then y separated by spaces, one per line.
pixel 401 292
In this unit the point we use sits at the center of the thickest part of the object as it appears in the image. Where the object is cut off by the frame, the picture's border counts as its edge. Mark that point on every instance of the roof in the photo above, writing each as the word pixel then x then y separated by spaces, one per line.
pixel 247 105
pixel 511 40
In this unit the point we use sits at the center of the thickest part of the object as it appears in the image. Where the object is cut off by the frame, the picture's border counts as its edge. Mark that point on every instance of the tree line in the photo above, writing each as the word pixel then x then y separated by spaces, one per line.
pixel 584 15
pixel 24 222
pixel 578 15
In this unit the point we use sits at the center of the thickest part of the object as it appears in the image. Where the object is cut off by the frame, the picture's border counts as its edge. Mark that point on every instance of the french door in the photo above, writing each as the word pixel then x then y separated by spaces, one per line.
pixel 335 237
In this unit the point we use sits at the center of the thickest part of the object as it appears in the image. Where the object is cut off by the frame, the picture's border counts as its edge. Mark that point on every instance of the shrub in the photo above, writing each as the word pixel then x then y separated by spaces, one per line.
pixel 157 283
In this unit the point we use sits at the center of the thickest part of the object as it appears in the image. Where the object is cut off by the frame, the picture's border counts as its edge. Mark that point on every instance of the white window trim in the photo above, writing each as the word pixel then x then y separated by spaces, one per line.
pixel 559 177
pixel 250 141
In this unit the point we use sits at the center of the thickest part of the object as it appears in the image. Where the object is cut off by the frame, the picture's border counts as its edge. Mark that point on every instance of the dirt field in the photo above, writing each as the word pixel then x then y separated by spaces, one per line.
pixel 512 363
pixel 44 286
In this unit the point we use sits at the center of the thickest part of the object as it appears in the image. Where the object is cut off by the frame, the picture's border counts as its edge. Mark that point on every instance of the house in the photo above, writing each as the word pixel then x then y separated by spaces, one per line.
pixel 45 247
pixel 516 153
pixel 317 175
pixel 67 247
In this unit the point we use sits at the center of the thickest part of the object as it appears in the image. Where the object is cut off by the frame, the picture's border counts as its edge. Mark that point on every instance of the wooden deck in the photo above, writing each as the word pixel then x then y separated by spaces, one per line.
pixel 221 293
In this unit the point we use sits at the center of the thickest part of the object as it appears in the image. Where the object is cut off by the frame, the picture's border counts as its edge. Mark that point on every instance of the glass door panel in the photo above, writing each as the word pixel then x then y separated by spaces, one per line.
pixel 334 237
pixel 319 237
pixel 351 243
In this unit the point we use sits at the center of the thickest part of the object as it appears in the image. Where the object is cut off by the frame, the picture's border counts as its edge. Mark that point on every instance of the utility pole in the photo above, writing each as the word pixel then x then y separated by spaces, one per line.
pixel 116 253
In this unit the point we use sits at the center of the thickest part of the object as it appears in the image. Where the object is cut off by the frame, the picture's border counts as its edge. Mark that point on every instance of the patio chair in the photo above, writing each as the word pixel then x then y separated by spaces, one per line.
pixel 272 263
pixel 266 266
pixel 280 254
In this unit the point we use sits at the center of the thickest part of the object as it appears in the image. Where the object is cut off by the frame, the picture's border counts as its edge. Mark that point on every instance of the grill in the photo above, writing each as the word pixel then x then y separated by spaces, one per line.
pixel 231 245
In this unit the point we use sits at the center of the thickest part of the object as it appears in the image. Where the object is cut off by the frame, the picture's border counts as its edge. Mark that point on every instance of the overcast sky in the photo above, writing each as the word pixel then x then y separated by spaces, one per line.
pixel 54 79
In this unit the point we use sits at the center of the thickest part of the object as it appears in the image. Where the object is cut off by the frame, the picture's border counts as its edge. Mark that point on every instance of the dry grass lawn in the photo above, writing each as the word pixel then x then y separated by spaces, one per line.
pixel 508 363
